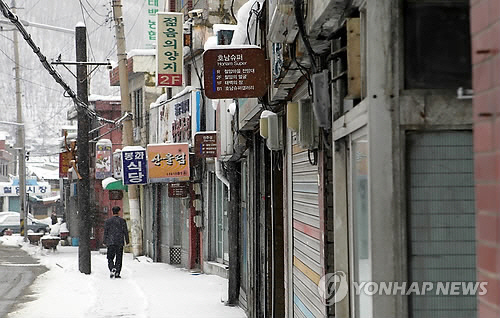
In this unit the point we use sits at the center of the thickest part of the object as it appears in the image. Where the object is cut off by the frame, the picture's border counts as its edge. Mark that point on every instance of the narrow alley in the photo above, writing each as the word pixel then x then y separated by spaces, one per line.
pixel 146 289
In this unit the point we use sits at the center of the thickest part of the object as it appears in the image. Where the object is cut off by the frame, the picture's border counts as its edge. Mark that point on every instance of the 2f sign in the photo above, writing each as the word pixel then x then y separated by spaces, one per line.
pixel 169 80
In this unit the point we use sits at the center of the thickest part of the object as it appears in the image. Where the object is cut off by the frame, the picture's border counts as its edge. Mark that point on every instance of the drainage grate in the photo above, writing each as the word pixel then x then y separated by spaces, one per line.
pixel 175 255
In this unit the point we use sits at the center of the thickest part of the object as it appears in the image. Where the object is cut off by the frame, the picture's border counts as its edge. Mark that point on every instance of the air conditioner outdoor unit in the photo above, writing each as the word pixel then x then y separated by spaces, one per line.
pixel 308 134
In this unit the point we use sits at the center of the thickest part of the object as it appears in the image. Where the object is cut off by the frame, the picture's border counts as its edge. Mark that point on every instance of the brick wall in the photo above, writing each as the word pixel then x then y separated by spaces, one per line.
pixel 485 32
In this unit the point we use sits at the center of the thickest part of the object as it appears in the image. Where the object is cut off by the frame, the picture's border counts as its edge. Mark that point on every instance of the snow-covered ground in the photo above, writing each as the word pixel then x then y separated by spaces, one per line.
pixel 146 289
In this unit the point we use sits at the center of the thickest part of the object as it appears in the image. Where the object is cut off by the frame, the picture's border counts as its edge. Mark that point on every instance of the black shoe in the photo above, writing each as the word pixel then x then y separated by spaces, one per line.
pixel 112 274
pixel 117 276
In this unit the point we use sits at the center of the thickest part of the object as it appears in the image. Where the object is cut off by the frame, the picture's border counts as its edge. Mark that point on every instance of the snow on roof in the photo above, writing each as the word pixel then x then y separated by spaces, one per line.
pixel 164 97
pixel 136 52
pixel 94 98
pixel 211 43
pixel 132 148
pixel 243 15
pixel 219 26
pixel 45 173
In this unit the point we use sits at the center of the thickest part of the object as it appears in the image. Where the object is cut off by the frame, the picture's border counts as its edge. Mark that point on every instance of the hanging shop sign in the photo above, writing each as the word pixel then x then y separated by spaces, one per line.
pixel 169 49
pixel 64 163
pixel 205 144
pixel 178 189
pixel 168 162
pixel 103 159
pixel 178 118
pixel 134 165
pixel 235 73
pixel 117 164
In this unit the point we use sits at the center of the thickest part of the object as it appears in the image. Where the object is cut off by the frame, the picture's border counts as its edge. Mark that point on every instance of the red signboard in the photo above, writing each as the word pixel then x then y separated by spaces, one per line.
pixel 205 144
pixel 64 163
pixel 235 73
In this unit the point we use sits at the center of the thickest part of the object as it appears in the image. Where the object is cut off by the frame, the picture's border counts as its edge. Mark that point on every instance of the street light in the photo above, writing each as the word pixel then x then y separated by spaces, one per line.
pixel 21 146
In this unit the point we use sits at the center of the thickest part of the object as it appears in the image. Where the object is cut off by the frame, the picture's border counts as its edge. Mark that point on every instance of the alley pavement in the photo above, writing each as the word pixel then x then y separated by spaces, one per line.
pixel 18 270
pixel 146 290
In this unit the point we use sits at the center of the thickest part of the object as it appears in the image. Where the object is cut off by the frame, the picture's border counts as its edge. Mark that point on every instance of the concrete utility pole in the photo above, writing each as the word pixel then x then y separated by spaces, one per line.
pixel 127 125
pixel 82 147
pixel 20 142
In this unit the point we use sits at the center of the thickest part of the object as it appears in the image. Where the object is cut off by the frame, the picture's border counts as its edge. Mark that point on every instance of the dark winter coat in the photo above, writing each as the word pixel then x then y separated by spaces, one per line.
pixel 115 231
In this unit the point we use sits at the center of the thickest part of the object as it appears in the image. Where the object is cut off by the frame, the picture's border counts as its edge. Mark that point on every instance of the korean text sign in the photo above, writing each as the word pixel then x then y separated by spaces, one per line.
pixel 235 73
pixel 169 56
pixel 168 162
pixel 152 8
pixel 134 167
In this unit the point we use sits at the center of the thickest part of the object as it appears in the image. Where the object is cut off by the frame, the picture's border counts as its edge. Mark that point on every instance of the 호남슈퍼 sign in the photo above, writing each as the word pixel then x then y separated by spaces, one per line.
pixel 235 73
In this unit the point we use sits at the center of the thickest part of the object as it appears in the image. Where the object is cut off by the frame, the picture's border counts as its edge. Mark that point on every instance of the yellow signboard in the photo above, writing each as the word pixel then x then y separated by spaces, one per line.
pixel 169 53
pixel 168 162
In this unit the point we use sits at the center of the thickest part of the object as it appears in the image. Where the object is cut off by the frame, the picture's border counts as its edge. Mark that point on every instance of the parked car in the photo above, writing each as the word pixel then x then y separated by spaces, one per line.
pixel 10 220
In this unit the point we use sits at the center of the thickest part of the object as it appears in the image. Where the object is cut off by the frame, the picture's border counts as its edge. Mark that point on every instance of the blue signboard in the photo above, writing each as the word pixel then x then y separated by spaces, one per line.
pixel 135 167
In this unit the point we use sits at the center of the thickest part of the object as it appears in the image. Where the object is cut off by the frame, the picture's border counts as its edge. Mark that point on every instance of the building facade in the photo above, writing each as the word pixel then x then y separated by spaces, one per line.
pixel 358 160
pixel 484 23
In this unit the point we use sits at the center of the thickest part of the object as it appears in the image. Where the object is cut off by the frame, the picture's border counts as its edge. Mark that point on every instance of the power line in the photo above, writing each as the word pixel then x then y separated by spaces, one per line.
pixel 19 65
pixel 57 77
pixel 93 9
pixel 32 7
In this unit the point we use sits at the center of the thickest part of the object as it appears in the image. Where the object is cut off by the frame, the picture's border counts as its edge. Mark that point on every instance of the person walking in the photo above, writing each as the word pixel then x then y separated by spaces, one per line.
pixel 115 233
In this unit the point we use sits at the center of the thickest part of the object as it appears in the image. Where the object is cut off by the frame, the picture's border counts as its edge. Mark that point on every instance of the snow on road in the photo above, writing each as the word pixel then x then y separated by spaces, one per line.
pixel 146 289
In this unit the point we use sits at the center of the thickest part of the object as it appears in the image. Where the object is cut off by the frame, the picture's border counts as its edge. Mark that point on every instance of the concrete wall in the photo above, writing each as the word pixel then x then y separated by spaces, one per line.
pixel 485 29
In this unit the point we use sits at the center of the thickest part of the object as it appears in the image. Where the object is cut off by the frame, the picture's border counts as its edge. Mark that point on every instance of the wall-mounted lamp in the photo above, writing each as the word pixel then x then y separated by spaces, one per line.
pixel 264 131
pixel 270 128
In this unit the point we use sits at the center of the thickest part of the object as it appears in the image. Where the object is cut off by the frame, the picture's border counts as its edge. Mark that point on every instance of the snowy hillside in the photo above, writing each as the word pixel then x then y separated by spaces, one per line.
pixel 43 102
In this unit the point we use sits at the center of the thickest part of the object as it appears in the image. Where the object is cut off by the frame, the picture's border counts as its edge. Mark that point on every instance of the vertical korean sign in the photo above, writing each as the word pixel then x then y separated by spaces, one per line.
pixel 152 9
pixel 134 166
pixel 169 45
pixel 168 162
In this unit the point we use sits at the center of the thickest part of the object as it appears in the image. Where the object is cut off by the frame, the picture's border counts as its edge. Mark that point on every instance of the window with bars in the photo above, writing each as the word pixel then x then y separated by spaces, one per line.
pixel 138 106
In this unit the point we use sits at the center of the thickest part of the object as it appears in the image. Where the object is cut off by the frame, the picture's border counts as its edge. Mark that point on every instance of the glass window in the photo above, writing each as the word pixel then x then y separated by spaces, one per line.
pixel 221 221
pixel 360 219
pixel 437 44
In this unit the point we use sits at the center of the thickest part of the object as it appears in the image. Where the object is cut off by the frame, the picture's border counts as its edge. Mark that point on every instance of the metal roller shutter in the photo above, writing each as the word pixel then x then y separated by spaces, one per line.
pixel 306 237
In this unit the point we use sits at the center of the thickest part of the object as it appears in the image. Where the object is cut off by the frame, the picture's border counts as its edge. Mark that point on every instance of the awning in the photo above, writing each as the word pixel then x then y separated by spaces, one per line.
pixel 111 183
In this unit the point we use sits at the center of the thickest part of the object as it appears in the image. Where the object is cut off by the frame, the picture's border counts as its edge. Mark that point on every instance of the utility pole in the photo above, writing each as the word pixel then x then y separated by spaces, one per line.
pixel 127 125
pixel 20 139
pixel 83 187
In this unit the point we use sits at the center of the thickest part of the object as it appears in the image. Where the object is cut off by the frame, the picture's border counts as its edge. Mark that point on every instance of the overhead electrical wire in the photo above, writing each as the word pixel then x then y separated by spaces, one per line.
pixel 81 106
pixel 93 9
